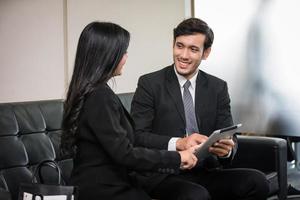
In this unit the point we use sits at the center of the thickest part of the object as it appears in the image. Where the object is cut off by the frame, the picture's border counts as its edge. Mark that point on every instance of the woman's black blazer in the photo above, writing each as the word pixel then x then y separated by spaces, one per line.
pixel 105 148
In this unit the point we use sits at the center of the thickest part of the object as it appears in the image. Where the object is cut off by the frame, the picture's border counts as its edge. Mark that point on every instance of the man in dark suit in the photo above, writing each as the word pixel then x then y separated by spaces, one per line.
pixel 185 105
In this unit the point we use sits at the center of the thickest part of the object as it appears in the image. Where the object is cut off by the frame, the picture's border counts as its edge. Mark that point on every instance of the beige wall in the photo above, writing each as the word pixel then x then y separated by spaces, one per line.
pixel 31 50
pixel 149 22
pixel 32 54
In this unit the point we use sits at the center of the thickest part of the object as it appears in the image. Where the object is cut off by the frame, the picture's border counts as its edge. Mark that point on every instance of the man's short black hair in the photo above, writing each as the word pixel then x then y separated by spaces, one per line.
pixel 193 26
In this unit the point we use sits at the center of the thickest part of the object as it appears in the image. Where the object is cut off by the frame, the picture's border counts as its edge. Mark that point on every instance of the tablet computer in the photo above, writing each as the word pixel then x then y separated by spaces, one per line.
pixel 227 132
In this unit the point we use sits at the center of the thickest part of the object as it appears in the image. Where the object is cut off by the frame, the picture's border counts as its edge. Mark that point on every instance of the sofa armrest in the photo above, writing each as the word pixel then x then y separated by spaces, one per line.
pixel 262 153
pixel 266 154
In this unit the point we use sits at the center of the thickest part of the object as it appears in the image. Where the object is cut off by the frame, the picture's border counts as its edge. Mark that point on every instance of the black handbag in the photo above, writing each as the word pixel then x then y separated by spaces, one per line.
pixel 39 190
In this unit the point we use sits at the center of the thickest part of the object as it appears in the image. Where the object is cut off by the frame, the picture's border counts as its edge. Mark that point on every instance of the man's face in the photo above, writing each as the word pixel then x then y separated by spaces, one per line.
pixel 188 53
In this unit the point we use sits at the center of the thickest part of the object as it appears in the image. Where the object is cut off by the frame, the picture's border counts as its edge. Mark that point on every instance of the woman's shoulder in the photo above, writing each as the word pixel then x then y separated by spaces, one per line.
pixel 103 89
pixel 102 93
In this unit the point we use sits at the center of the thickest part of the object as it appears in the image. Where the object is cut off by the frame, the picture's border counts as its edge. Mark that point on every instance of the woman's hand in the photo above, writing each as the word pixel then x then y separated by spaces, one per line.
pixel 188 159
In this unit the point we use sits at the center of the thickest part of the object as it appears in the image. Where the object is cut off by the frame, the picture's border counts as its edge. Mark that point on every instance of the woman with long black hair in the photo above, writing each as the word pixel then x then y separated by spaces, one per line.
pixel 98 130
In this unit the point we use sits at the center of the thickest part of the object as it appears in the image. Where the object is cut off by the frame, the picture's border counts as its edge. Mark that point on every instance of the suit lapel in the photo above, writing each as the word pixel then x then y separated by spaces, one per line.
pixel 201 94
pixel 173 89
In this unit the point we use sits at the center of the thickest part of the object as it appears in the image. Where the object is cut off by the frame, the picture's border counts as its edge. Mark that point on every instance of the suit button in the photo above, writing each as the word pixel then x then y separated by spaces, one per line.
pixel 172 171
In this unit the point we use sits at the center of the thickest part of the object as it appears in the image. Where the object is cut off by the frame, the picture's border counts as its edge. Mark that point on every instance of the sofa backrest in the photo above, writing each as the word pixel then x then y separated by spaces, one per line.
pixel 126 99
pixel 30 133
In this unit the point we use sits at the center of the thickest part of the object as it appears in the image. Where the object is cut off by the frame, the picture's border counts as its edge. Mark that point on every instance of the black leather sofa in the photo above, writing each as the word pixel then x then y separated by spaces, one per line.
pixel 30 133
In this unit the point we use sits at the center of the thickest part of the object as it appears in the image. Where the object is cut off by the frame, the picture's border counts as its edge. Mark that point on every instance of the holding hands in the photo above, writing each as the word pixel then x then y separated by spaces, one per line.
pixel 187 146
pixel 188 159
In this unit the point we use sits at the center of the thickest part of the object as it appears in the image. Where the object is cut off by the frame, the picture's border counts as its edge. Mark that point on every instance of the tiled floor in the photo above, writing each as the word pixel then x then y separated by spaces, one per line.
pixel 293 176
pixel 294 179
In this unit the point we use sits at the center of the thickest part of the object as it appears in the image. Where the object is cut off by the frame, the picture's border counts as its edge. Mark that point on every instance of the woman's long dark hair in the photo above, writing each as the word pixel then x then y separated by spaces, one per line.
pixel 100 49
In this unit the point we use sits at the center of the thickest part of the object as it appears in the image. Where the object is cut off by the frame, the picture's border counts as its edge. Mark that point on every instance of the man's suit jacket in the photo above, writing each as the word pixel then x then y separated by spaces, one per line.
pixel 157 108
pixel 105 153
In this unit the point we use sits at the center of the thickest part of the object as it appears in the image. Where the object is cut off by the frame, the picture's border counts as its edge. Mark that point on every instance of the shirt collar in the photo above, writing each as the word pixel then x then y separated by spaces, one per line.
pixel 182 79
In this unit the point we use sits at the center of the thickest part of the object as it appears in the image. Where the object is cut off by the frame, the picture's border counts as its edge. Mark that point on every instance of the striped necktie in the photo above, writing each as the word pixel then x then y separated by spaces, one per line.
pixel 189 110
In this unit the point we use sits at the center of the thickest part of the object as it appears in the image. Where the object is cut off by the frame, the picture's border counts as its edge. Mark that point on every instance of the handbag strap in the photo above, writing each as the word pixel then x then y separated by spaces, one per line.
pixel 37 171
pixel 3 182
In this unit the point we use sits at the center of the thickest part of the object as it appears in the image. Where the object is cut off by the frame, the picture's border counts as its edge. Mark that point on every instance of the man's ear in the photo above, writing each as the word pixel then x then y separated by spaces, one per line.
pixel 206 53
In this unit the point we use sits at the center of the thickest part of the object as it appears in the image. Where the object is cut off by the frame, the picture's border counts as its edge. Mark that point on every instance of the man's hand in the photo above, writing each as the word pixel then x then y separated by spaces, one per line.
pixel 190 141
pixel 222 147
